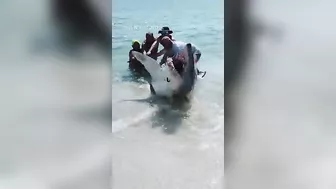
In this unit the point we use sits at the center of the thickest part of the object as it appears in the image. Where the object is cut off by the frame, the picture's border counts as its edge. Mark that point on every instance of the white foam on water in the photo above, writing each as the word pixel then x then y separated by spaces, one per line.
pixel 125 122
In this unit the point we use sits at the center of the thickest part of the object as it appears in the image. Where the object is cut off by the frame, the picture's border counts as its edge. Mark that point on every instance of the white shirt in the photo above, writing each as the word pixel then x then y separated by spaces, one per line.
pixel 180 52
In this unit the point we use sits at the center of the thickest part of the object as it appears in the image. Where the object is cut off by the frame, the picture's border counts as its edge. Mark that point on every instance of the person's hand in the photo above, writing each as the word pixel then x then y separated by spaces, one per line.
pixel 169 60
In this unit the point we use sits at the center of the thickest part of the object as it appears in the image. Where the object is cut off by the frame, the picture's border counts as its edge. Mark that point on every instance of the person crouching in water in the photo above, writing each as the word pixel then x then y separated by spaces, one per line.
pixel 176 51
pixel 133 64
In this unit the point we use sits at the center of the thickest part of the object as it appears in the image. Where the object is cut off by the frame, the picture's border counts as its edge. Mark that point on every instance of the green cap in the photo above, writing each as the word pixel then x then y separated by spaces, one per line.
pixel 135 41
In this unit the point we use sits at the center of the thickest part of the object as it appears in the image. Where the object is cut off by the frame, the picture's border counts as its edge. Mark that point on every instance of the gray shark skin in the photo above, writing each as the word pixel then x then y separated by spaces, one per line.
pixel 185 83
pixel 189 75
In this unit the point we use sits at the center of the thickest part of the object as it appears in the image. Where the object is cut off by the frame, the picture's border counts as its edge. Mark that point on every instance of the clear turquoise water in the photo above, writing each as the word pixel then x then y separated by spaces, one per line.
pixel 157 139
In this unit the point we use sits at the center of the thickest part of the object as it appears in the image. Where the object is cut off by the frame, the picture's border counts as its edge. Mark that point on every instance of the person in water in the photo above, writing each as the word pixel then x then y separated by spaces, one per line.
pixel 133 63
pixel 176 50
pixel 147 44
pixel 165 32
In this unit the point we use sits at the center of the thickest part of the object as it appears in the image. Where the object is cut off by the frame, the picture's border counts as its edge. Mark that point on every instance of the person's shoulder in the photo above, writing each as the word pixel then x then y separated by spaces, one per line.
pixel 180 43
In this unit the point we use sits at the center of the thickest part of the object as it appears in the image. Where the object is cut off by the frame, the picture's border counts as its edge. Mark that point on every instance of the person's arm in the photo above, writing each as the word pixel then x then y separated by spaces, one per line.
pixel 164 59
pixel 171 37
pixel 130 57
pixel 143 47
pixel 196 53
pixel 154 45
pixel 162 52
